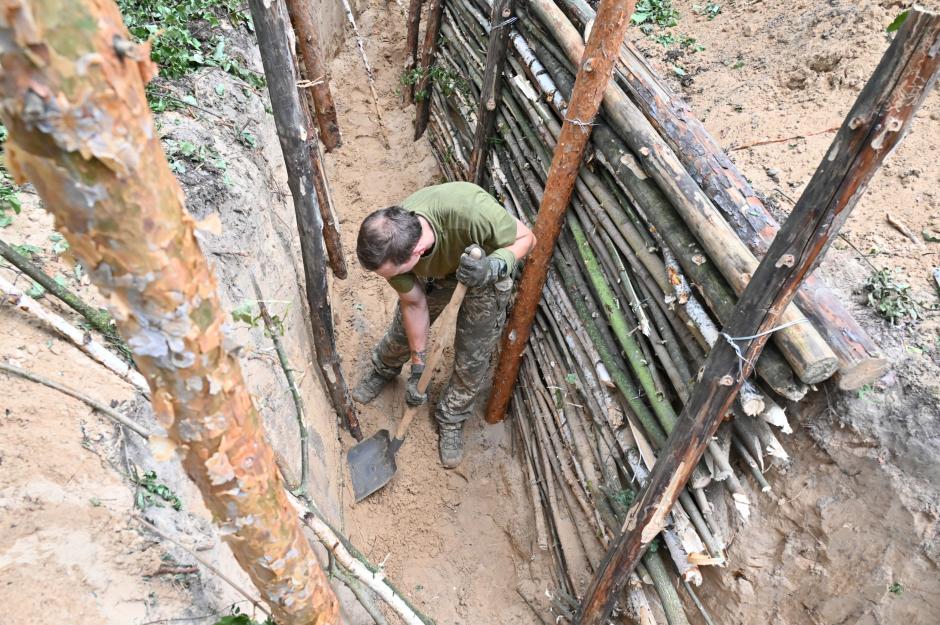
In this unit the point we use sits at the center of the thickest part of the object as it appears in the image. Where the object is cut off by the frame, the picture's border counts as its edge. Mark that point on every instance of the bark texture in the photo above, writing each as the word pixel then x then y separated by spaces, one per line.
pixel 873 128
pixel 595 68
pixel 73 100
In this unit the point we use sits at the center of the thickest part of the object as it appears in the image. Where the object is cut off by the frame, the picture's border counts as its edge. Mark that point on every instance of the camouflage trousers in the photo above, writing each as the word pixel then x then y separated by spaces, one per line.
pixel 479 325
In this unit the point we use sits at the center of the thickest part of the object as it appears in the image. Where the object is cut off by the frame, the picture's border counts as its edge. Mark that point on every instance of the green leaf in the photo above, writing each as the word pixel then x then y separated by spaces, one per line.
pixel 931 236
pixel 898 21
pixel 59 244
pixel 244 313
pixel 571 378
pixel 36 291
pixel 220 89
pixel 678 71
pixel 28 250
pixel 5 220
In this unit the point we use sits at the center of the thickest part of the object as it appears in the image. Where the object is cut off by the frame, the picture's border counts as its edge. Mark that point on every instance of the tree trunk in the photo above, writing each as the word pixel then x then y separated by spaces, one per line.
pixel 83 135
pixel 271 23
pixel 811 359
pixel 860 360
pixel 595 68
pixel 873 128
pixel 316 71
pixel 492 82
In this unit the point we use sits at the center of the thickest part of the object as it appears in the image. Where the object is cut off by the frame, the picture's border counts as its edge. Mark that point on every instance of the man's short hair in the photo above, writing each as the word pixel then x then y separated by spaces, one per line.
pixel 387 235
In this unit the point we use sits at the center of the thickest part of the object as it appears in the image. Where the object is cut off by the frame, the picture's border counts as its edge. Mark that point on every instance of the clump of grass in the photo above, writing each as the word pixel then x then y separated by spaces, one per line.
pixel 891 298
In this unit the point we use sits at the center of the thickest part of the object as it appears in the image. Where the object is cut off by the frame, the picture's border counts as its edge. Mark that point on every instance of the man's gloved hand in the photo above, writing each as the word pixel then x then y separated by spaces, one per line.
pixel 412 396
pixel 477 272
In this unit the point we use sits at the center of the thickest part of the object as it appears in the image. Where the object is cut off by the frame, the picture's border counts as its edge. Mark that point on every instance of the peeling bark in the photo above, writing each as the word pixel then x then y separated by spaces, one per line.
pixel 72 98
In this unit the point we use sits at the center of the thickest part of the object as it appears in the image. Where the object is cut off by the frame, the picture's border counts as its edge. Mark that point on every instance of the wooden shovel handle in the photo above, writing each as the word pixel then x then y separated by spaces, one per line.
pixel 447 323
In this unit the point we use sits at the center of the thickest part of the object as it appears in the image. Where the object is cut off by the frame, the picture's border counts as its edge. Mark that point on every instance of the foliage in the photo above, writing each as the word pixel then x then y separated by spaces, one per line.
pixel 898 21
pixel 896 588
pixel 182 150
pixel 59 244
pixel 151 492
pixel 245 313
pixel 890 298
pixel 182 34
pixel 649 13
pixel 447 80
pixel 237 617
pixel 9 198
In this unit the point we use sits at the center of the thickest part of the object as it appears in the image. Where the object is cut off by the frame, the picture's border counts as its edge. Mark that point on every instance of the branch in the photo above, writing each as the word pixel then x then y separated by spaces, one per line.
pixel 79 338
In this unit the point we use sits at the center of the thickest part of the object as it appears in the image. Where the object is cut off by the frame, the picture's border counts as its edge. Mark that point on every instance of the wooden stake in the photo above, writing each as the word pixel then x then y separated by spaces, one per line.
pixel 271 25
pixel 315 71
pixel 423 88
pixel 590 84
pixel 121 210
pixel 492 81
pixel 414 23
pixel 873 128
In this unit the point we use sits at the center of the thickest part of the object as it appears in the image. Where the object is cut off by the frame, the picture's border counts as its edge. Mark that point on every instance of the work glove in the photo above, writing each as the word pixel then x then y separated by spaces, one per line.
pixel 412 396
pixel 477 272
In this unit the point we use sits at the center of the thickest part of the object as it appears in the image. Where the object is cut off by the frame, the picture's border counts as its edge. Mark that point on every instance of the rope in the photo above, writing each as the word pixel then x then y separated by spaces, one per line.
pixel 737 349
pixel 579 122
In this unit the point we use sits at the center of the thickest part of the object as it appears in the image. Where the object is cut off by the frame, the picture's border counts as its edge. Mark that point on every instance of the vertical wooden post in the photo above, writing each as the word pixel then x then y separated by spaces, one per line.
pixel 82 133
pixel 492 81
pixel 271 24
pixel 594 73
pixel 424 86
pixel 414 24
pixel 873 128
pixel 316 71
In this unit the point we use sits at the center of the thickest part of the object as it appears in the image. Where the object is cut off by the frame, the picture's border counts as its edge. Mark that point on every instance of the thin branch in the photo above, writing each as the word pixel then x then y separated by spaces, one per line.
pixel 105 410
pixel 255 602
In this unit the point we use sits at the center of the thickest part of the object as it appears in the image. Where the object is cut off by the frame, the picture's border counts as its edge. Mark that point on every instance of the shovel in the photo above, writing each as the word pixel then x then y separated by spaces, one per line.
pixel 372 462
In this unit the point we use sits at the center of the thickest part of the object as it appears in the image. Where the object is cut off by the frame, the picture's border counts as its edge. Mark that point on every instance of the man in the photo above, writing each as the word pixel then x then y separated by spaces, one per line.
pixel 422 249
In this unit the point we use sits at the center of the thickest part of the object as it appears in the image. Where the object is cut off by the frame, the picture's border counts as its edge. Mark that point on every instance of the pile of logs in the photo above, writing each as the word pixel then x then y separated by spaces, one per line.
pixel 661 238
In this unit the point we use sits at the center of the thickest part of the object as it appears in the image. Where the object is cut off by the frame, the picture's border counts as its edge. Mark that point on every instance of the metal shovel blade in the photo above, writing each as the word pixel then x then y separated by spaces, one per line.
pixel 372 464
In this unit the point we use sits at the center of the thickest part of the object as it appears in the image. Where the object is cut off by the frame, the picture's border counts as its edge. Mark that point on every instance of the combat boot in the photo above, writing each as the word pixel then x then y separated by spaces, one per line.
pixel 450 443
pixel 369 386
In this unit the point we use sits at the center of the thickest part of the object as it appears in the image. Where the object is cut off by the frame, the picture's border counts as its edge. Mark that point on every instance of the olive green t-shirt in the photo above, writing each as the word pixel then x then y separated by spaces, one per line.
pixel 460 213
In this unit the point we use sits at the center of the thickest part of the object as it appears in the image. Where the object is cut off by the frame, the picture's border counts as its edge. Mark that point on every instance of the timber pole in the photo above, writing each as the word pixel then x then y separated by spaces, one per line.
pixel 72 97
pixel 492 81
pixel 873 128
pixel 414 23
pixel 424 85
pixel 316 72
pixel 271 23
pixel 591 82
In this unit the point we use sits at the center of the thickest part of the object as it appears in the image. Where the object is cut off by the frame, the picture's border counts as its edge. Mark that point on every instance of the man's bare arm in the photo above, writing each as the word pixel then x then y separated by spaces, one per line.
pixel 417 320
pixel 524 242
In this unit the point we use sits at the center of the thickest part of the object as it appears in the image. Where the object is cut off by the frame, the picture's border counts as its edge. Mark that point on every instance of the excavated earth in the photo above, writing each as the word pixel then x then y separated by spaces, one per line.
pixel 848 535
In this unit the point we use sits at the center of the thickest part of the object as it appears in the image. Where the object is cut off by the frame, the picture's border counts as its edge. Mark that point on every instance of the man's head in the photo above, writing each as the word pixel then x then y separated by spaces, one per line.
pixel 388 241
